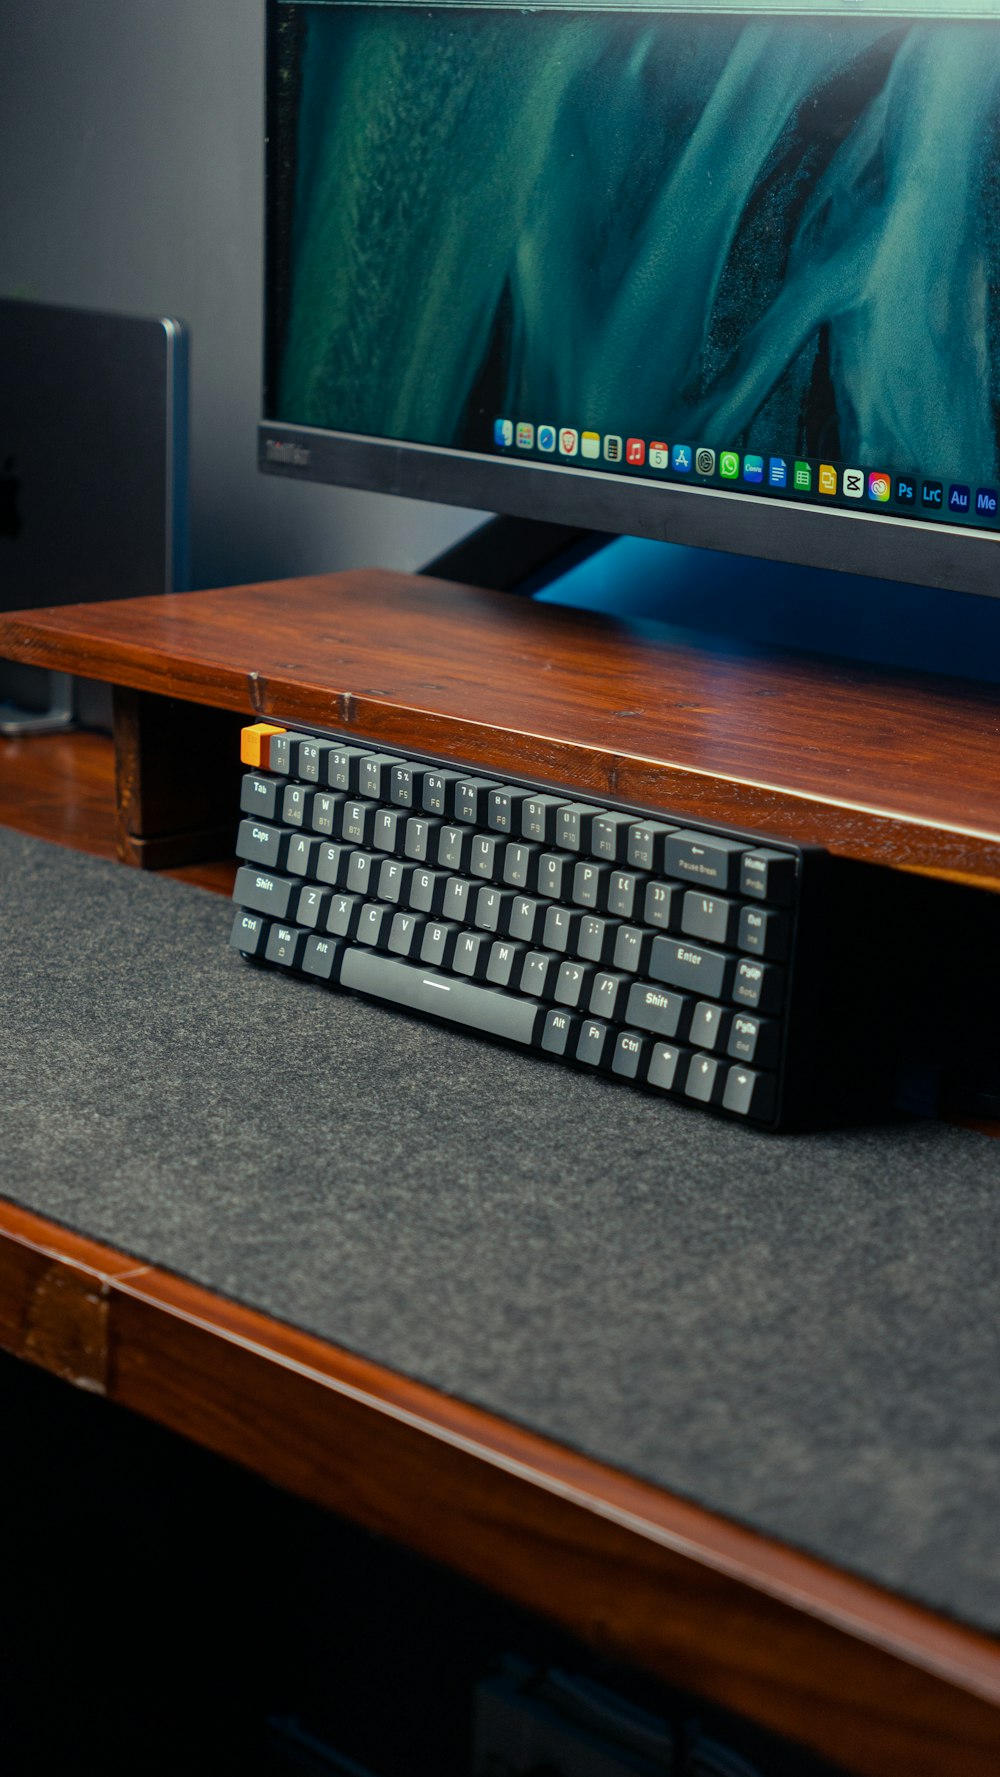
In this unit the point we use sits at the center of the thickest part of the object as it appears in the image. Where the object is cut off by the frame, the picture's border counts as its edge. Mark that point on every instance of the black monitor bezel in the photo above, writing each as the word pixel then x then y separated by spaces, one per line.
pixel 951 556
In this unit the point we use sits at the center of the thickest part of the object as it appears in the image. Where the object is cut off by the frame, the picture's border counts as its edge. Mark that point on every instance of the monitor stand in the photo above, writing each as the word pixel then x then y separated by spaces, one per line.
pixel 520 555
pixel 708 598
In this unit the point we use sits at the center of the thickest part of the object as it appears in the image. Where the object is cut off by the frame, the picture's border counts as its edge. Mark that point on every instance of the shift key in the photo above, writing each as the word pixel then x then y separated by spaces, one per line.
pixel 264 893
pixel 705 972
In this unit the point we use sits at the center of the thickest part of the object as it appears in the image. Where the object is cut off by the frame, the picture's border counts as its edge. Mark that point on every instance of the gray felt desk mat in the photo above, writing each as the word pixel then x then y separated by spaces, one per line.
pixel 800 1332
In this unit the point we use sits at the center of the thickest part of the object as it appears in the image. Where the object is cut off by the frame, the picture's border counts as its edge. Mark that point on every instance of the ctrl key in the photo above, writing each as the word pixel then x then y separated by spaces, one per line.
pixel 249 934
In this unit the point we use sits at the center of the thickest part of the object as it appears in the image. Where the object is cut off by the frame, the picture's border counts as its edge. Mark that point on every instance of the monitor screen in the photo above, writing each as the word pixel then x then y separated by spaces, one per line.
pixel 723 274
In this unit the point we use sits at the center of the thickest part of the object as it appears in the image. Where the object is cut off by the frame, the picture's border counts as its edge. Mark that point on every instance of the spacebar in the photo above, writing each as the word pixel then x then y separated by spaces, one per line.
pixel 496 1014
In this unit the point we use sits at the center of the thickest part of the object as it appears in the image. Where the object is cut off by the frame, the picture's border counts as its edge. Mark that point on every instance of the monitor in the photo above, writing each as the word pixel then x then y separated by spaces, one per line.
pixel 722 274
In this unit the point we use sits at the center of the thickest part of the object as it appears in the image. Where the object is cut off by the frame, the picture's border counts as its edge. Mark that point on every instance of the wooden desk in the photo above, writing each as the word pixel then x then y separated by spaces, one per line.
pixel 875 1683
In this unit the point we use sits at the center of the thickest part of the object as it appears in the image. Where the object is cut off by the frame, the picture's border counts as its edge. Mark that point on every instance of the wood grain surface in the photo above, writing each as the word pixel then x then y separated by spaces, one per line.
pixel 895 768
pixel 879 1685
pixel 60 787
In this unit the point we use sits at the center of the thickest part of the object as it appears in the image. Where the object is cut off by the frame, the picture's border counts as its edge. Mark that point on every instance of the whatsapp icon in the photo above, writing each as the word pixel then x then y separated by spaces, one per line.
pixel 729 465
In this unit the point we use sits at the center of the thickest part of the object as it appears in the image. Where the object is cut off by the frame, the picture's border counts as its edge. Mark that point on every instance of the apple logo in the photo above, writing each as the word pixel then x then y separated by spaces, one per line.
pixel 10 487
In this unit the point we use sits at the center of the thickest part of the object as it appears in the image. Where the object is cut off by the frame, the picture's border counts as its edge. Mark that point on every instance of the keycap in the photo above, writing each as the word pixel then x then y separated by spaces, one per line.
pixel 709 1026
pixel 493 909
pixel 644 850
pixel 503 808
pixel 486 856
pixel 324 816
pixel 471 797
pixel 254 744
pixel 362 873
pixel 427 891
pixel 701 858
pixel 710 917
pixel 357 822
pixel 405 933
pixel 560 1033
pixel 756 1040
pixel 332 863
pixel 538 974
pixel 285 945
pixel 375 775
pixel 572 983
pixel 520 864
pixel 458 898
pixel 622 892
pixel 764 932
pixel 662 905
pixel 629 1054
pixel 749 1094
pixel 554 875
pixel 454 848
pixel 420 838
pixel 592 1042
pixel 654 1009
pixel 472 954
pixel 667 1068
pixel 590 885
pixel 438 942
pixel 406 784
pixel 265 893
pixel 249 933
pixel 321 957
pixel 261 796
pixel 342 915
pixel 437 793
pixel 561 929
pixel 313 905
pixel 462 1002
pixel 296 805
pixel 279 752
pixel 506 961
pixel 538 817
pixel 373 923
pixel 633 947
pixel 706 1079
pixel 263 845
pixel 609 995
pixel 707 973
pixel 573 823
pixel 310 760
pixel 302 855
pixel 525 918
pixel 342 768
pixel 761 986
pixel 596 938
pixel 768 875
pixel 389 829
pixel 609 836
pixel 394 881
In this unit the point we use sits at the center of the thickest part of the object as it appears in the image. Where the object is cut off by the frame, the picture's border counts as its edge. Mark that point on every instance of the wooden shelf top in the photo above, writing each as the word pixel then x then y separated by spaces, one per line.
pixel 899 769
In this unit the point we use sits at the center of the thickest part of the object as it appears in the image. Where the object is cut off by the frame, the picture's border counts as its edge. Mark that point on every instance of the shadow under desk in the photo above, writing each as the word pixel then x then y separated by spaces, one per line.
pixel 722 1402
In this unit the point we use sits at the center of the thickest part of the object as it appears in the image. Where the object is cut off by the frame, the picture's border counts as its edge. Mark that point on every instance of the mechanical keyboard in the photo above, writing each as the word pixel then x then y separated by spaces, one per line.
pixel 657 951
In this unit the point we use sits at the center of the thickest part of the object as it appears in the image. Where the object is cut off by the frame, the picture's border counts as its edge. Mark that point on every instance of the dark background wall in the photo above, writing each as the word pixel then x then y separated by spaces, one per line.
pixel 131 179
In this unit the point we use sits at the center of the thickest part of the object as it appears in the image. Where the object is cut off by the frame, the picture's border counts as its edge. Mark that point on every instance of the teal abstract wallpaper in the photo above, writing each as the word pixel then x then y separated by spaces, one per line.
pixel 765 230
